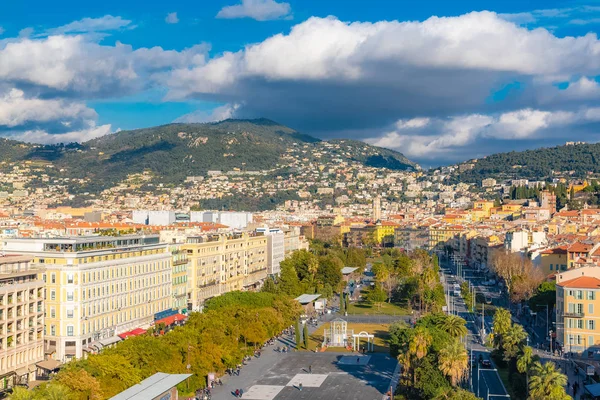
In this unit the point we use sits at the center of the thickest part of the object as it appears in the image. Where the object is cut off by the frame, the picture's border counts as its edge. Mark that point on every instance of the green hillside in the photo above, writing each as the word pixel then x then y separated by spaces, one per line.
pixel 175 151
pixel 537 164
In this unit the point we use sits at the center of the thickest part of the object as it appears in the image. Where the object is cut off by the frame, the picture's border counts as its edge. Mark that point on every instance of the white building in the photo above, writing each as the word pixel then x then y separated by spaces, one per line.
pixel 160 218
pixel 523 240
pixel 275 249
pixel 233 219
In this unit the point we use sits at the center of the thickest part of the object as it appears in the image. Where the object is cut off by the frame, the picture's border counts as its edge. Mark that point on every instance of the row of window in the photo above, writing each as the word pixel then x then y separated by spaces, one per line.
pixel 104 274
pixel 102 323
pixel 577 308
pixel 558 267
pixel 579 340
pixel 579 323
pixel 579 294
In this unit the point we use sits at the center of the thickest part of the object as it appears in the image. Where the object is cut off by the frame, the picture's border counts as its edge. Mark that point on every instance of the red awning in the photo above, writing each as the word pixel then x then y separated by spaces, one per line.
pixel 135 332
pixel 171 319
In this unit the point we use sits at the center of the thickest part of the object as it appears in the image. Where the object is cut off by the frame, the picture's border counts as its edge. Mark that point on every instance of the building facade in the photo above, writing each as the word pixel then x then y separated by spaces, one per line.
pixel 222 263
pixel 21 320
pixel 578 312
pixel 179 276
pixel 98 287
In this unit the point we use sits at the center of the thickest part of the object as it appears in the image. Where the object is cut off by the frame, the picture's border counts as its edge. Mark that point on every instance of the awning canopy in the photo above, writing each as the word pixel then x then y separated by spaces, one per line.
pixel 170 320
pixel 110 340
pixel 135 332
pixel 307 298
pixel 49 365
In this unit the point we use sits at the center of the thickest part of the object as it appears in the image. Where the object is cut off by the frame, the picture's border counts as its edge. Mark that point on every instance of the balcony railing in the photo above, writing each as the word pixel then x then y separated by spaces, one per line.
pixel 574 315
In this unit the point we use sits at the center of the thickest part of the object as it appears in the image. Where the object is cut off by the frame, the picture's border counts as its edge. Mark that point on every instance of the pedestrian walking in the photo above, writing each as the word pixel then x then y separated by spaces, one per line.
pixel 241 393
pixel 237 393
pixel 358 360
pixel 310 369
pixel 300 386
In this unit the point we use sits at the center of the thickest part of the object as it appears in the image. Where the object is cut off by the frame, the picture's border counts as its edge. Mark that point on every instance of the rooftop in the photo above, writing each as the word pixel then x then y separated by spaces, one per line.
pixel 307 298
pixel 151 387
pixel 582 282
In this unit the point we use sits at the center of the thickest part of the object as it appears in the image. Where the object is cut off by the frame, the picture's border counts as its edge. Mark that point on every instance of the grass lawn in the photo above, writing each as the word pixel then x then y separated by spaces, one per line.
pixel 365 307
pixel 379 330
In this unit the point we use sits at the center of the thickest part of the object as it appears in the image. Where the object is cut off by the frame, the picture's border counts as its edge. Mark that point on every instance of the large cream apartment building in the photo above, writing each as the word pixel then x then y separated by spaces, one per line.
pixel 98 287
pixel 222 263
pixel 21 321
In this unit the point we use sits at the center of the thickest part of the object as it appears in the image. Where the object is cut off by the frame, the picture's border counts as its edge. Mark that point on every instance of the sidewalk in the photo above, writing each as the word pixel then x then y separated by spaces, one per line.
pixel 255 369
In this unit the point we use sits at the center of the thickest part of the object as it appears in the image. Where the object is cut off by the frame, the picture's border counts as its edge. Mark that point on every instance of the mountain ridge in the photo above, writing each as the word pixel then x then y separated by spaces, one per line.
pixel 173 152
pixel 577 160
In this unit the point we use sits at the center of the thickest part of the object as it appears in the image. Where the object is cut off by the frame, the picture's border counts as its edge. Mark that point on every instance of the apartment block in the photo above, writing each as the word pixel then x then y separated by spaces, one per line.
pixel 21 321
pixel 98 287
pixel 578 310
pixel 224 263
pixel 179 276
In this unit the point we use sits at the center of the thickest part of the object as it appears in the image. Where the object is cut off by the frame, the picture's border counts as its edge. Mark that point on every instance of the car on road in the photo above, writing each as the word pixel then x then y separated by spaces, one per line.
pixel 486 364
pixel 491 282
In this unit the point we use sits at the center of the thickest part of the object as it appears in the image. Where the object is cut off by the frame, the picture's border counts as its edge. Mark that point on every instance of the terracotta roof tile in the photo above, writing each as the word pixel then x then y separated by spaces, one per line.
pixel 582 282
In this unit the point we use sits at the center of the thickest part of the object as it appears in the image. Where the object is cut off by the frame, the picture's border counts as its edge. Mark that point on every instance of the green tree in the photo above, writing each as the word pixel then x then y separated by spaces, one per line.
pixel 513 340
pixel 342 303
pixel 297 334
pixel 454 325
pixel 377 296
pixel 289 283
pixel 329 271
pixel 502 323
pixel 547 382
pixel 454 362
pixel 525 361
pixel 21 393
pixel 269 286
pixel 305 336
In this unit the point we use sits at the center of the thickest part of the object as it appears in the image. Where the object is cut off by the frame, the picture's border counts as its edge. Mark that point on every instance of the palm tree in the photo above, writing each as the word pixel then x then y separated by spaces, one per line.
pixel 525 361
pixel 454 325
pixel 547 382
pixel 418 346
pixel 512 341
pixel 502 321
pixel 454 362
pixel 419 343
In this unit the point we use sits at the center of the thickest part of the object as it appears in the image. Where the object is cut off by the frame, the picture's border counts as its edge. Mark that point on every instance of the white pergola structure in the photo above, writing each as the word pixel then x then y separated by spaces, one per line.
pixel 356 340
pixel 337 334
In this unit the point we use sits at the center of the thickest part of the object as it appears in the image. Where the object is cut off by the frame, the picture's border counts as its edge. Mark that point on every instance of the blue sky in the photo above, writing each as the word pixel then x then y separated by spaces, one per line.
pixel 439 81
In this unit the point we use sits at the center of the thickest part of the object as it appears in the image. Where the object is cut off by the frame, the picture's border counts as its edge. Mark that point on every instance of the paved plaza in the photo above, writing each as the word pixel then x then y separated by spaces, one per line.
pixel 335 376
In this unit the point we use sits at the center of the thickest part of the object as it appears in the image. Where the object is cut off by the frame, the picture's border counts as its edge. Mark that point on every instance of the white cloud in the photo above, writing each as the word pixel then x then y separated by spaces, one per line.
pixel 40 136
pixel 220 113
pixel 329 49
pixel 172 18
pixel 589 21
pixel 92 25
pixel 448 135
pixel 260 10
pixel 75 64
pixel 412 123
pixel 16 110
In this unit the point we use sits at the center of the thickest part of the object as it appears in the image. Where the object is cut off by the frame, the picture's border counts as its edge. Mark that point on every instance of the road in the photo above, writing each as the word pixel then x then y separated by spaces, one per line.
pixel 484 382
